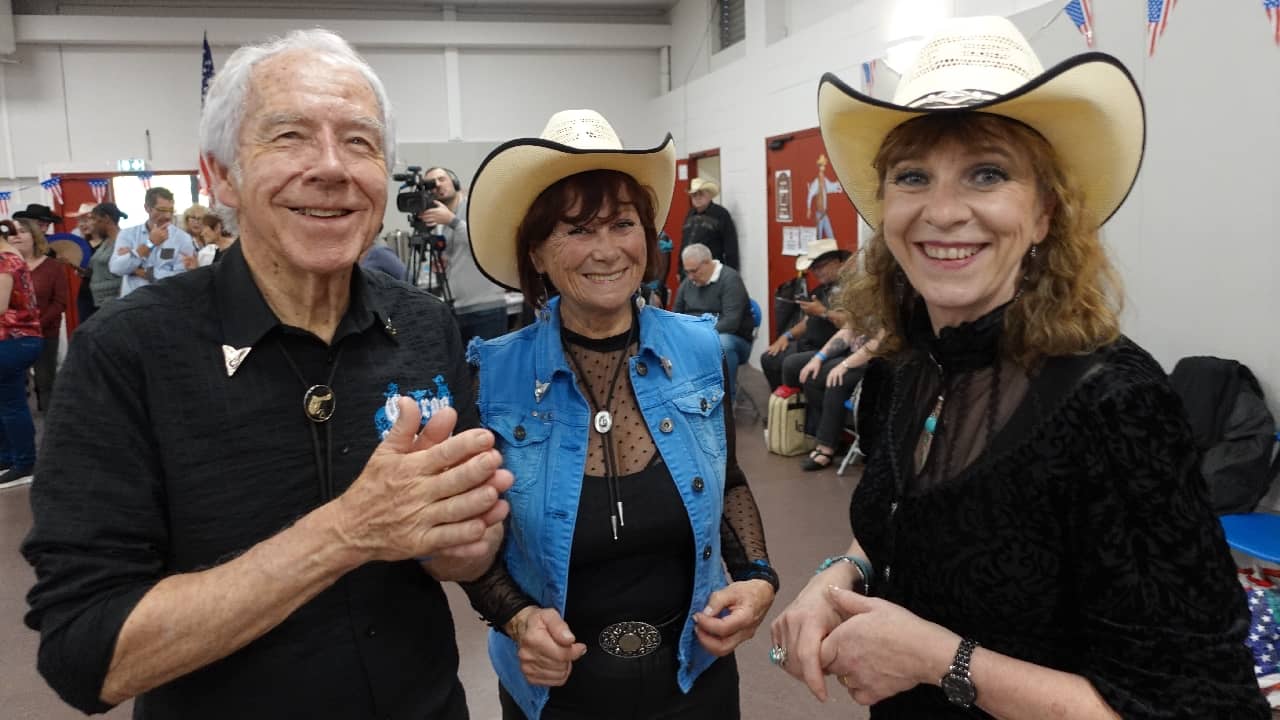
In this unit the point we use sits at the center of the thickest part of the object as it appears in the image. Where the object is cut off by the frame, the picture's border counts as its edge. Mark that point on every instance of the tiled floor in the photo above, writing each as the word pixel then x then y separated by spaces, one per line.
pixel 806 519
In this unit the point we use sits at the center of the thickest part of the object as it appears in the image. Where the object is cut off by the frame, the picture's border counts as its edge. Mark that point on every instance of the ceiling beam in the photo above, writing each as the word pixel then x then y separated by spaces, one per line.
pixel 182 32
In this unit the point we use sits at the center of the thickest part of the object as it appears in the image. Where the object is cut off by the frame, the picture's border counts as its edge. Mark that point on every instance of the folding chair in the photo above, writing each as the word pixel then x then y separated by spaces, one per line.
pixel 738 397
pixel 851 428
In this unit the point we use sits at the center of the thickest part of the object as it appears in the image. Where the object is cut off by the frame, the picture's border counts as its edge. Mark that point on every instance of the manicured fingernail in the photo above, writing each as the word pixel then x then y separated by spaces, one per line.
pixel 706 610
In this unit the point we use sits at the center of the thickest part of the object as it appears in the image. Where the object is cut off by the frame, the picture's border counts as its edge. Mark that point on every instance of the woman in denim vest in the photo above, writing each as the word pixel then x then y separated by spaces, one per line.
pixel 609 597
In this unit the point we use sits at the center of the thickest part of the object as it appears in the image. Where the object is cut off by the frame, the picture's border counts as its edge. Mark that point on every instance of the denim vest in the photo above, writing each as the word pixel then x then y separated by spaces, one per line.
pixel 528 397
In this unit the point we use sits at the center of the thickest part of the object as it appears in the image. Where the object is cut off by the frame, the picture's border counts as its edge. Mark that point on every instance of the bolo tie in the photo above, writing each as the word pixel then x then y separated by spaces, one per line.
pixel 318 405
pixel 602 423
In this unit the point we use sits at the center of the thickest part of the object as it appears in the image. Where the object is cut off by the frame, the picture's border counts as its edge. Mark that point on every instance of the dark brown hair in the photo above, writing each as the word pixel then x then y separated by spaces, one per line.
pixel 212 221
pixel 595 192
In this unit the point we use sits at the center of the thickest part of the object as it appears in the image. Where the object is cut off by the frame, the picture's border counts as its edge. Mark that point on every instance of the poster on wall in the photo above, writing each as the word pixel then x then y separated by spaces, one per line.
pixel 796 239
pixel 782 196
pixel 816 202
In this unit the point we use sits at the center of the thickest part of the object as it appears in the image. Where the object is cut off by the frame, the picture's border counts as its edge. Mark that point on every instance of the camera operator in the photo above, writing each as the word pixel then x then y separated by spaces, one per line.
pixel 479 304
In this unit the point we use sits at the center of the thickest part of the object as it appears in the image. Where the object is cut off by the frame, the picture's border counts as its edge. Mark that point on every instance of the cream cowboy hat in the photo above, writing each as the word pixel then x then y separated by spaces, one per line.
pixel 1088 108
pixel 516 172
pixel 816 249
pixel 699 184
pixel 84 209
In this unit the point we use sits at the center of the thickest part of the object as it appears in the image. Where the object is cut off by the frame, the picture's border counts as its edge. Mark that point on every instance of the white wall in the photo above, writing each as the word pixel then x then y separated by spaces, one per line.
pixel 85 89
pixel 1196 242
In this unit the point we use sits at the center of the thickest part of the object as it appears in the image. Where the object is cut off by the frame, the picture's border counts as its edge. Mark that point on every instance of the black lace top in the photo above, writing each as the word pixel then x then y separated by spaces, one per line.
pixel 1059 518
pixel 497 597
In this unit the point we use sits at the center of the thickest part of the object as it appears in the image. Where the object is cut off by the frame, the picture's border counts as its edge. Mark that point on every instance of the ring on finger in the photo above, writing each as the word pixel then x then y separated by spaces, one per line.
pixel 844 680
pixel 778 655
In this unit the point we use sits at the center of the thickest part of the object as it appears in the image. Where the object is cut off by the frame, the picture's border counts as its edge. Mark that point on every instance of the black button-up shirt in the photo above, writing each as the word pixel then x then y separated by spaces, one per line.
pixel 156 462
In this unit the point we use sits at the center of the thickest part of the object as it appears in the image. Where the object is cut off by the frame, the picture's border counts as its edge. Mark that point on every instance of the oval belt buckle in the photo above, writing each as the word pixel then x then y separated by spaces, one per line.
pixel 630 639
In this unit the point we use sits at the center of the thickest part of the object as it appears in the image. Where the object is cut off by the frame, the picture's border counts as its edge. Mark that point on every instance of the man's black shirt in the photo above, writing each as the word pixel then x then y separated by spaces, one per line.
pixel 714 228
pixel 156 462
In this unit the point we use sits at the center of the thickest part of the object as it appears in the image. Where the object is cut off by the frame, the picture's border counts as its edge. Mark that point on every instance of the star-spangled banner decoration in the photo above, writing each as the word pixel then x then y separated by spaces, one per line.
pixel 1082 15
pixel 1158 12
pixel 1273 14
pixel 99 188
pixel 1263 637
pixel 206 69
pixel 54 186
pixel 869 77
pixel 4 202
pixel 145 177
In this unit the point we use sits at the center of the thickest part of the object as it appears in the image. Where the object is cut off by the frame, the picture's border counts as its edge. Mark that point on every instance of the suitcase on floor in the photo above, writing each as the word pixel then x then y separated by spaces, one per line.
pixel 786 422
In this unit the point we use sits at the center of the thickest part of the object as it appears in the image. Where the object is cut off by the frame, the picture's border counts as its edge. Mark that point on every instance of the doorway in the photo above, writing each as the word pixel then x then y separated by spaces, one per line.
pixel 805 203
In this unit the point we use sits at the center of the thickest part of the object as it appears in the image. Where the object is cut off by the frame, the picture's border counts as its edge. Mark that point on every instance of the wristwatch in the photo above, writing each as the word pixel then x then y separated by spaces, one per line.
pixel 957 684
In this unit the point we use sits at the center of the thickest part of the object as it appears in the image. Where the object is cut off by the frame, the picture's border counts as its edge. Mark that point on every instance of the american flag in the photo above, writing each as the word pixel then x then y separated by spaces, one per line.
pixel 1082 15
pixel 54 186
pixel 1264 636
pixel 4 202
pixel 145 177
pixel 1273 14
pixel 99 188
pixel 1158 12
pixel 869 77
pixel 206 69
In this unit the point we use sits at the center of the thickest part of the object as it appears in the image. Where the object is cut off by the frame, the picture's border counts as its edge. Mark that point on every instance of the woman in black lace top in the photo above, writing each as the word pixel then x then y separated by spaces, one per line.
pixel 1032 537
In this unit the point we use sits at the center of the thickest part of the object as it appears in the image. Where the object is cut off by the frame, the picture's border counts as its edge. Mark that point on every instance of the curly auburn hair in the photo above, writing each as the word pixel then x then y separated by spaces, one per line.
pixel 1070 296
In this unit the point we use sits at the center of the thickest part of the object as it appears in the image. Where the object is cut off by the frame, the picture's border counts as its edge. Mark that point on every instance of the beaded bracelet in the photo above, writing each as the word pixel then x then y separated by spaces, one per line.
pixel 788 335
pixel 822 357
pixel 863 567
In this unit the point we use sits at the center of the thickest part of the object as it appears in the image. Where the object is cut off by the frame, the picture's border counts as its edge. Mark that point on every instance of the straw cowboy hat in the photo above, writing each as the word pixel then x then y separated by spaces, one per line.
pixel 84 209
pixel 704 184
pixel 516 172
pixel 817 250
pixel 1088 108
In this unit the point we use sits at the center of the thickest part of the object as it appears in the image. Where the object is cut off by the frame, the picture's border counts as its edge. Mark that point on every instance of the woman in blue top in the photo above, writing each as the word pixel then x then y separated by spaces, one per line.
pixel 609 597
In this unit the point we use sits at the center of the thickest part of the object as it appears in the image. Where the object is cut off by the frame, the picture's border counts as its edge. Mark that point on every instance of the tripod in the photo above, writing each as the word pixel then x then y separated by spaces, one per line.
pixel 425 247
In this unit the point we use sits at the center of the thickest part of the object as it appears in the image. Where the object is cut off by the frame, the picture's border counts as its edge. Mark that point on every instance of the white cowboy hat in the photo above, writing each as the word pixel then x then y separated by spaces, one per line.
pixel 704 184
pixel 1088 107
pixel 516 172
pixel 816 250
pixel 84 209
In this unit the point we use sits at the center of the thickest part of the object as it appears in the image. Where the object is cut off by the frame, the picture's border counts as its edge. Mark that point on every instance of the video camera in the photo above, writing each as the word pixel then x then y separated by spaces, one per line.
pixel 417 193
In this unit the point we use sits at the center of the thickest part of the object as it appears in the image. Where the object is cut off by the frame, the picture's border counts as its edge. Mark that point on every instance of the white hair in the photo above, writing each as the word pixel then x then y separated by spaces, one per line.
pixel 697 252
pixel 228 96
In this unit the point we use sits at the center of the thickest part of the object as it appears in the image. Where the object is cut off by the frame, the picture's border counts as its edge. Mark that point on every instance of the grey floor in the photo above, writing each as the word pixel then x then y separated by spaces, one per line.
pixel 806 519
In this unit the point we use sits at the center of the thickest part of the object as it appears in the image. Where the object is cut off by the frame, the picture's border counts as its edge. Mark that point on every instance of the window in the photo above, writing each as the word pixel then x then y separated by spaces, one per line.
pixel 731 23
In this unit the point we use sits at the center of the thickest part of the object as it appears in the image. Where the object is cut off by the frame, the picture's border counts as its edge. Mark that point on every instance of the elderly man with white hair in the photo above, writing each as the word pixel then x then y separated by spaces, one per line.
pixel 260 522
pixel 712 287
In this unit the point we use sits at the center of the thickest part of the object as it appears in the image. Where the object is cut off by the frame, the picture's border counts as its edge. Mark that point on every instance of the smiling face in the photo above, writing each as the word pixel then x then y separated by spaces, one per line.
pixel 959 218
pixel 596 264
pixel 311 184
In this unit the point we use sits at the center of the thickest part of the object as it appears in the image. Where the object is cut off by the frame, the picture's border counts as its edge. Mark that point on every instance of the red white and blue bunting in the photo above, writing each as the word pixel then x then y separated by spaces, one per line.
pixel 54 186
pixel 1158 12
pixel 1082 15
pixel 99 188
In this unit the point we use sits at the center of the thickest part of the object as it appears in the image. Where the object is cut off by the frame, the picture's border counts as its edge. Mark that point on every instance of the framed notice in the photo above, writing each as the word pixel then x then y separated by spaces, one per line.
pixel 782 196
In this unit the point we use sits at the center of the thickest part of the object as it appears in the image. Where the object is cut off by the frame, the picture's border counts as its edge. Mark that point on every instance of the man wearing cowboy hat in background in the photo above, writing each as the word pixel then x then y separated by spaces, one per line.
pixel 709 224
pixel 783 360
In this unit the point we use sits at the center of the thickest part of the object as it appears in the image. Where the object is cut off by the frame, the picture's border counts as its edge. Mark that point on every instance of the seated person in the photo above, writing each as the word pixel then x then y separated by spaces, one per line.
pixel 782 361
pixel 712 287
pixel 827 384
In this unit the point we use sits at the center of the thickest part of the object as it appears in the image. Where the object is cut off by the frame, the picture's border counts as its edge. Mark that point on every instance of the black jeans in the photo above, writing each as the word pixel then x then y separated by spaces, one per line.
pixel 46 367
pixel 824 406
pixel 784 368
pixel 603 686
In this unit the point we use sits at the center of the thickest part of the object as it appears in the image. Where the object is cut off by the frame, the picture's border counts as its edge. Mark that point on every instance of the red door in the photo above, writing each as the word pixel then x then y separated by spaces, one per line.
pixel 804 199
pixel 675 221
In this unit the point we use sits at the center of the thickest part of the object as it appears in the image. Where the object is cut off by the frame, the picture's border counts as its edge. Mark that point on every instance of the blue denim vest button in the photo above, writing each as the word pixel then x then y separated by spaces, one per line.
pixel 666 425
pixel 642 369
pixel 698 484
pixel 706 553
pixel 519 432
pixel 703 405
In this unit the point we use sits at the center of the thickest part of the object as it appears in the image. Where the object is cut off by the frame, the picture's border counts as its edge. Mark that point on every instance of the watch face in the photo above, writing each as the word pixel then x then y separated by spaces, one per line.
pixel 959 690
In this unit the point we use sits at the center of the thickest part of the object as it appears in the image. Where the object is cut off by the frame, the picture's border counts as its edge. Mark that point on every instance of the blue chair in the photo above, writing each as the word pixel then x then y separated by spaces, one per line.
pixel 757 316
pixel 1256 534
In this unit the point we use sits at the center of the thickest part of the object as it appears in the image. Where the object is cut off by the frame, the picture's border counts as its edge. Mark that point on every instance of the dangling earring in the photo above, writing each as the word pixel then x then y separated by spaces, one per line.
pixel 1026 274
pixel 1031 255
pixel 542 311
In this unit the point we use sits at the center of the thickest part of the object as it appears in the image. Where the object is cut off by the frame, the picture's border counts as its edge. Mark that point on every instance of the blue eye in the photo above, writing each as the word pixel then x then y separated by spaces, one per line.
pixel 990 175
pixel 910 178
